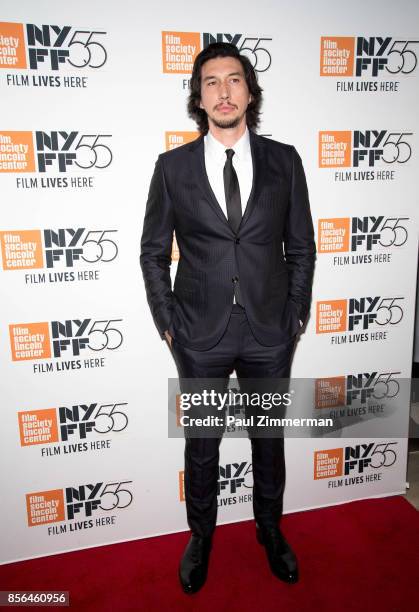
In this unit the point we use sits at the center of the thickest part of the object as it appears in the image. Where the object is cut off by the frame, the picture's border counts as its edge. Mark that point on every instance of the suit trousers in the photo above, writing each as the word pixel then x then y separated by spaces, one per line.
pixel 237 350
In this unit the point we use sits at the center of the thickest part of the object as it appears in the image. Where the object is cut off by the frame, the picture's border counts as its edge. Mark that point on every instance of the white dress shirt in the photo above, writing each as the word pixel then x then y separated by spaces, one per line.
pixel 215 158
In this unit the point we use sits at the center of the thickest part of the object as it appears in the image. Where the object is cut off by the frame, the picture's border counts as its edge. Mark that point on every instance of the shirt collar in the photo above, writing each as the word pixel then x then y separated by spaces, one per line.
pixel 216 149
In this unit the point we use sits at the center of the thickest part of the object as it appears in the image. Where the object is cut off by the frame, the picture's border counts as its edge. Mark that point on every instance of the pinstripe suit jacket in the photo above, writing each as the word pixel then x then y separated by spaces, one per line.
pixel 272 254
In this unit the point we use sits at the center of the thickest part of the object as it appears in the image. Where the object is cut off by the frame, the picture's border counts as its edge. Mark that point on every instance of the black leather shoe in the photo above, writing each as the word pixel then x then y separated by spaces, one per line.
pixel 282 560
pixel 194 564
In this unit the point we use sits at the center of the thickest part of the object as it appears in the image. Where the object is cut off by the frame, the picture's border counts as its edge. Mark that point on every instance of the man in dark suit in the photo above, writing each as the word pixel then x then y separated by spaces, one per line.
pixel 239 206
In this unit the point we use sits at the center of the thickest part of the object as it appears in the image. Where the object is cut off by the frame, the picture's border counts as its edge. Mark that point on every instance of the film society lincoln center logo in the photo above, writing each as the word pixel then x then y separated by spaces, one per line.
pixel 62 248
pixel 374 56
pixel 354 465
pixel 366 317
pixel 234 486
pixel 173 140
pixel 84 502
pixel 364 155
pixel 179 49
pixel 373 395
pixel 362 240
pixel 72 429
pixel 362 388
pixel 41 51
pixel 56 151
pixel 63 340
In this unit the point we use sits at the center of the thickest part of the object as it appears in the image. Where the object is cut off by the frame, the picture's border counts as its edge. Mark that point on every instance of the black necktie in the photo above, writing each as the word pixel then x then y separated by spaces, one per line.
pixel 234 208
pixel 232 192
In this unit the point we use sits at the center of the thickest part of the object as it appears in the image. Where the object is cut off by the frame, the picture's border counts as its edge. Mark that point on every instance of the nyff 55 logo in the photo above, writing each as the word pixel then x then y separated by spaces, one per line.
pixel 348 56
pixel 78 501
pixel 360 388
pixel 179 49
pixel 232 478
pixel 57 151
pixel 335 462
pixel 351 314
pixel 50 46
pixel 52 248
pixel 51 425
pixel 29 341
pixel 356 148
pixel 353 234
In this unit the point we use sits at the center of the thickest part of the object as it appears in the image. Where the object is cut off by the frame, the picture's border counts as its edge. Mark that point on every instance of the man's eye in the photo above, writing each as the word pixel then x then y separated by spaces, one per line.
pixel 211 82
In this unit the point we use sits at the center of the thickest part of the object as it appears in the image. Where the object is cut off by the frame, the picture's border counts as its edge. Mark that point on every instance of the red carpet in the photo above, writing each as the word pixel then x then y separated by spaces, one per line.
pixel 355 557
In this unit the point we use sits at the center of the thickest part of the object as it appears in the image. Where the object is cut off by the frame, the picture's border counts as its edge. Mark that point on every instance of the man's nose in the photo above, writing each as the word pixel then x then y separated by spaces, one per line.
pixel 224 91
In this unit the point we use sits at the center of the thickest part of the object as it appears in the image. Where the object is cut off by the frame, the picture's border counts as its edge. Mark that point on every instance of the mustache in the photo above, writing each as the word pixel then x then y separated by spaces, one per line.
pixel 225 104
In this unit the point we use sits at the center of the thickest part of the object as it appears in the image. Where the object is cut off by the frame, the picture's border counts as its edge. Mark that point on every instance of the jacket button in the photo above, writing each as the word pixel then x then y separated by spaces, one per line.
pixel 237 241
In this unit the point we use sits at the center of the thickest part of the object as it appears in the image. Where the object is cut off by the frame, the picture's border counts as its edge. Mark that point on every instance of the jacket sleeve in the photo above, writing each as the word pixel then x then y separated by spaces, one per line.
pixel 299 244
pixel 156 249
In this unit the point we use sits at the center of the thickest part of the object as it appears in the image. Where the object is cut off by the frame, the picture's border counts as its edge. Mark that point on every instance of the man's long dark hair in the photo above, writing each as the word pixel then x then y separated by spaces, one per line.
pixel 223 50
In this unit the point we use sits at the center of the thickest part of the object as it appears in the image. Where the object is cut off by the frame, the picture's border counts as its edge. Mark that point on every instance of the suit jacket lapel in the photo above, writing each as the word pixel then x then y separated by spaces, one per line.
pixel 197 147
pixel 256 147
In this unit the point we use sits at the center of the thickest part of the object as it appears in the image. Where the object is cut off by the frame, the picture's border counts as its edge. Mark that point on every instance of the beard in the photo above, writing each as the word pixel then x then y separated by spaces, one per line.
pixel 227 123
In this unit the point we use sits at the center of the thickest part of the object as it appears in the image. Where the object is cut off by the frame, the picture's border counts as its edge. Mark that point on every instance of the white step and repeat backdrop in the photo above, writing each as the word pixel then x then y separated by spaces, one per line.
pixel 91 93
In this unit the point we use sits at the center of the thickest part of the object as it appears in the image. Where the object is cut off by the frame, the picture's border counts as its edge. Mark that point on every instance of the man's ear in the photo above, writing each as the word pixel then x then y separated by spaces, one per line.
pixel 200 105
